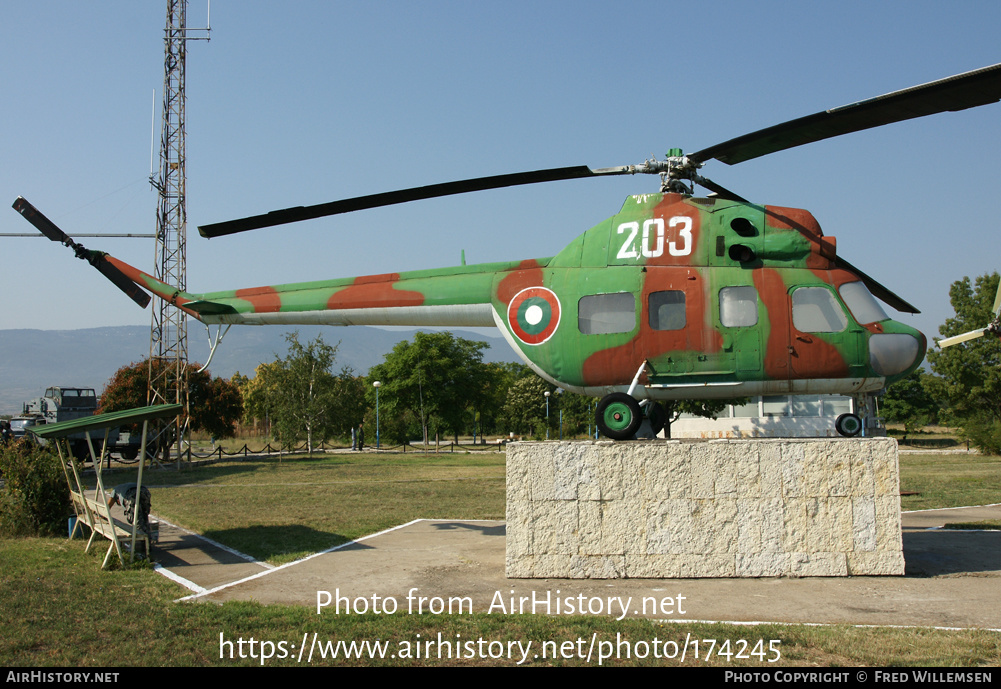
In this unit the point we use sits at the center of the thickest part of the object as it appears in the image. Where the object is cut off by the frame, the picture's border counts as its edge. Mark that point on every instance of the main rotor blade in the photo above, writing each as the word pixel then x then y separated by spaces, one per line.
pixel 289 215
pixel 720 191
pixel 956 339
pixel 878 290
pixel 94 258
pixel 967 90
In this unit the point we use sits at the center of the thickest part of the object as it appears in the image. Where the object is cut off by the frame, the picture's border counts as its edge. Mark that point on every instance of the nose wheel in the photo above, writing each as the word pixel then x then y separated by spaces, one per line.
pixel 848 425
pixel 618 416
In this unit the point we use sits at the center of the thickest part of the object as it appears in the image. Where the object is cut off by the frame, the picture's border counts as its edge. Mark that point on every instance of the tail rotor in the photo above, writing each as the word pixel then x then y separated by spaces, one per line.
pixel 95 258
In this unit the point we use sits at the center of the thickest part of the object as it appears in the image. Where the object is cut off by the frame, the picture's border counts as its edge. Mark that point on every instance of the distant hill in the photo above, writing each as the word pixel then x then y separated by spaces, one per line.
pixel 32 360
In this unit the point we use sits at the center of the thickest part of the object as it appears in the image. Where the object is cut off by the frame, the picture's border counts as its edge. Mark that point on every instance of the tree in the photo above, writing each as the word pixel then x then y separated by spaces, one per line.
pixel 214 404
pixel 499 377
pixel 910 402
pixel 708 409
pixel 302 396
pixel 524 410
pixel 970 373
pixel 353 404
pixel 578 413
pixel 433 382
pixel 220 406
pixel 257 396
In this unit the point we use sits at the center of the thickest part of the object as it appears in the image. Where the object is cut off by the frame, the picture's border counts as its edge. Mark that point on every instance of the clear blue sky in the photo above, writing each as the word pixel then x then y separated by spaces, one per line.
pixel 305 102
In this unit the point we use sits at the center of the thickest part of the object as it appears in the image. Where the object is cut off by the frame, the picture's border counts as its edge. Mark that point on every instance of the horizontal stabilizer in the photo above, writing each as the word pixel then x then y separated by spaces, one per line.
pixel 210 308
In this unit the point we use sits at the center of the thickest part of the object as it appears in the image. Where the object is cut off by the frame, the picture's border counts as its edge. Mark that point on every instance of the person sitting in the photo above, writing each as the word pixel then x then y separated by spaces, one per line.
pixel 125 495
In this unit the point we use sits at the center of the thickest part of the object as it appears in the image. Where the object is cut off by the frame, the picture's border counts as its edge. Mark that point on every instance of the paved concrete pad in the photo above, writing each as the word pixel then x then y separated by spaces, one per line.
pixel 201 563
pixel 952 579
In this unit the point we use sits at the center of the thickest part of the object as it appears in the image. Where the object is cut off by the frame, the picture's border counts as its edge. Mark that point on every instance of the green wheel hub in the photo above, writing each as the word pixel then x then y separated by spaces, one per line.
pixel 618 416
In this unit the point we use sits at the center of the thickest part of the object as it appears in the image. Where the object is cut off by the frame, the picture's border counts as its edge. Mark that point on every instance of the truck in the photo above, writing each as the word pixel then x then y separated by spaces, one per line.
pixel 60 403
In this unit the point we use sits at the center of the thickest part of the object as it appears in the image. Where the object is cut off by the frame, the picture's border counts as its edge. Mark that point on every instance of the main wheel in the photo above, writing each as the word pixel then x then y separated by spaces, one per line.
pixel 848 425
pixel 657 415
pixel 618 416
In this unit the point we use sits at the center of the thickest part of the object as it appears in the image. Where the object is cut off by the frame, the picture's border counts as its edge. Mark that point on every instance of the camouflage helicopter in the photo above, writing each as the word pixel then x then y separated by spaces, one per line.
pixel 674 297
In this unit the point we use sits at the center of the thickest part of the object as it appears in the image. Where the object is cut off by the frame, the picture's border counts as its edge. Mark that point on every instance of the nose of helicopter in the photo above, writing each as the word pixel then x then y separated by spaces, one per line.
pixel 898 353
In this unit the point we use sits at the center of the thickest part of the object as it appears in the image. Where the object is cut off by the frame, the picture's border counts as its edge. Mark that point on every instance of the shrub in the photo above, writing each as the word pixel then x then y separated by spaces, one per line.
pixel 984 433
pixel 34 499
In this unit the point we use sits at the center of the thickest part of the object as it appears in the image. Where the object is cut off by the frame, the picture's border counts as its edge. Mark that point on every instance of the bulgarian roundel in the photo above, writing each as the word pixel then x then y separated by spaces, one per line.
pixel 534 315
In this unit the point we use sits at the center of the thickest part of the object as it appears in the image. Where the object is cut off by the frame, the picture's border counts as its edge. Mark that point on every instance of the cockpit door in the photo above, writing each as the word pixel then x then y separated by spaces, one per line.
pixel 823 338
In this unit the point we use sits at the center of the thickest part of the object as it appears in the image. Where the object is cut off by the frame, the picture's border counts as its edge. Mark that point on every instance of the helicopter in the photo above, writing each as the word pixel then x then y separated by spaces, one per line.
pixel 674 297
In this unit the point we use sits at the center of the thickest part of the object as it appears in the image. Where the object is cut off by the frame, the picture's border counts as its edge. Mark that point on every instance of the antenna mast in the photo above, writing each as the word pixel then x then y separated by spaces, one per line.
pixel 168 347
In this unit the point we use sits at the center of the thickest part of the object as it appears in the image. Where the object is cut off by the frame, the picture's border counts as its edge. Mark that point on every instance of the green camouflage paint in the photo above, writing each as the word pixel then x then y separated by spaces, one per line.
pixel 693 295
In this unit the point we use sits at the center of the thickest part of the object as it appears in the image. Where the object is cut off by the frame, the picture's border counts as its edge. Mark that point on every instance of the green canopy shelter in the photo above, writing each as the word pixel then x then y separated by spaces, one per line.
pixel 95 512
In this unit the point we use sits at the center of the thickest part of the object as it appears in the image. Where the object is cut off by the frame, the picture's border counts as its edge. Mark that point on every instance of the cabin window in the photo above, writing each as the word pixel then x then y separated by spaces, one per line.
pixel 836 406
pixel 667 310
pixel 861 303
pixel 806 406
pixel 815 310
pixel 746 411
pixel 605 314
pixel 775 405
pixel 738 306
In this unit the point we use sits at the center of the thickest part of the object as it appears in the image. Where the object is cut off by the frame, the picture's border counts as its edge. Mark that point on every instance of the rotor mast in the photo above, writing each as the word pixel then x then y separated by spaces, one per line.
pixel 168 354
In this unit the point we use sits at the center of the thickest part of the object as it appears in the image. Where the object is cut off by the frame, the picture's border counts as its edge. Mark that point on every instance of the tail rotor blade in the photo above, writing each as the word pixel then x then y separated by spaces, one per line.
pixel 122 282
pixel 41 223
pixel 94 258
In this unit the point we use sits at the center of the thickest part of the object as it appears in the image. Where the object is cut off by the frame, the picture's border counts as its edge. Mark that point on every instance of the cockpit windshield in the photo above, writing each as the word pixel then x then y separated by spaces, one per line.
pixel 861 303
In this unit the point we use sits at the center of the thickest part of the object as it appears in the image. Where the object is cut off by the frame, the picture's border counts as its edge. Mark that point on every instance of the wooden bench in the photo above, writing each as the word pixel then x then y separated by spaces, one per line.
pixel 90 510
pixel 95 514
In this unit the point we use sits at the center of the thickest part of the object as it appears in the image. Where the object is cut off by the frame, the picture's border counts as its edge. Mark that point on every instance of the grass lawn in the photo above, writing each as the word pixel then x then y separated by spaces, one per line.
pixel 949 480
pixel 59 609
pixel 282 510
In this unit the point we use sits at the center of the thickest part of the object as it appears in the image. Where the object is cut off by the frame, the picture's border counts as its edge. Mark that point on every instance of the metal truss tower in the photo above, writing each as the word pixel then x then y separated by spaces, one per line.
pixel 168 347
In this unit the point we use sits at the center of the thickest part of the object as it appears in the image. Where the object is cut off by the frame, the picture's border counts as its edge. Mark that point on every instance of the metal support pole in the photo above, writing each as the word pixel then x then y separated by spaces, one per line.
pixel 547 414
pixel 376 385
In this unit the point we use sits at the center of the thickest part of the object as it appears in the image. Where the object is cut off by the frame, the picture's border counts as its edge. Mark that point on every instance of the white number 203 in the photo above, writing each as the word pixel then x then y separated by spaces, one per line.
pixel 652 240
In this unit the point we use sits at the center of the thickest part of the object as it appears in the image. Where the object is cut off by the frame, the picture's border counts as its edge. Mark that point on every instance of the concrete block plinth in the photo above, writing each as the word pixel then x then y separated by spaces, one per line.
pixel 719 508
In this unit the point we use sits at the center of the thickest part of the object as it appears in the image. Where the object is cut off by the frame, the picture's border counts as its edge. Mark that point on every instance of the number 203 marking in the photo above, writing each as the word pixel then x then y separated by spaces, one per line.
pixel 652 241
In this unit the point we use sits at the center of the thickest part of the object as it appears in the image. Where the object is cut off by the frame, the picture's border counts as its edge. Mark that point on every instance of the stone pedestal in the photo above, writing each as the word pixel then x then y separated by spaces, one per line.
pixel 718 508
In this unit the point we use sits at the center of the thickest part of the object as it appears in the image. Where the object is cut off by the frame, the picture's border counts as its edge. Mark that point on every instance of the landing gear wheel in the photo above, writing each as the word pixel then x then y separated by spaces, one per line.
pixel 618 416
pixel 848 425
pixel 657 416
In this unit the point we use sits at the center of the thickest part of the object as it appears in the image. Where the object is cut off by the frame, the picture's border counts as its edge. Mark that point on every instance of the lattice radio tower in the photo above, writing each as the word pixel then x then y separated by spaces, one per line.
pixel 168 345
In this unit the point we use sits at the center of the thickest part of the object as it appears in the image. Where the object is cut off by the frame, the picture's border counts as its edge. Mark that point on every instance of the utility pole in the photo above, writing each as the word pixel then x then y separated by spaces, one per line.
pixel 168 346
